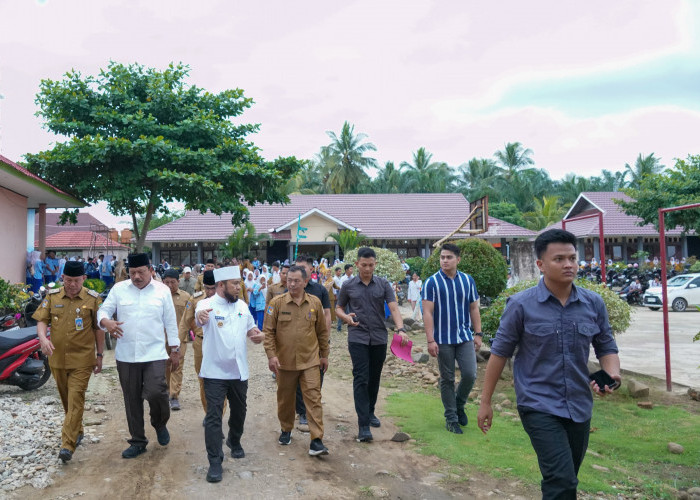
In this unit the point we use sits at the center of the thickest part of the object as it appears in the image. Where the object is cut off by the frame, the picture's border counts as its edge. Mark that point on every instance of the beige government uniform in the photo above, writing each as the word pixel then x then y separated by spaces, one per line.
pixel 186 324
pixel 274 290
pixel 174 378
pixel 73 323
pixel 297 335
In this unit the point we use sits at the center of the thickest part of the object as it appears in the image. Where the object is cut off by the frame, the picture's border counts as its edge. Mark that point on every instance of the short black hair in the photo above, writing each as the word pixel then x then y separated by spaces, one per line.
pixel 337 268
pixel 286 266
pixel 299 269
pixel 305 258
pixel 209 261
pixel 451 247
pixel 366 253
pixel 348 266
pixel 552 236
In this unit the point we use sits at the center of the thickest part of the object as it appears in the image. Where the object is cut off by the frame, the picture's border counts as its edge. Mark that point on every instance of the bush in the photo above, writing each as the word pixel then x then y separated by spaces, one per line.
pixel 95 284
pixel 695 268
pixel 11 297
pixel 618 310
pixel 479 259
pixel 415 264
pixel 388 263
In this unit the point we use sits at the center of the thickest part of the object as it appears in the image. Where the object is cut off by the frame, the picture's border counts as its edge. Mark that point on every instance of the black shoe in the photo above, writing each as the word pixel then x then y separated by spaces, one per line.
pixel 303 420
pixel 365 435
pixel 317 448
pixel 79 440
pixel 453 427
pixel 462 417
pixel 236 449
pixel 374 421
pixel 285 438
pixel 133 451
pixel 65 455
pixel 214 473
pixel 163 436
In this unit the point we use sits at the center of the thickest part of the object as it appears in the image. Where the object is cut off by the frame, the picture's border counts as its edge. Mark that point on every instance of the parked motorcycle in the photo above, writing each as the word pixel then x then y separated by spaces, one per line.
pixel 10 322
pixel 21 361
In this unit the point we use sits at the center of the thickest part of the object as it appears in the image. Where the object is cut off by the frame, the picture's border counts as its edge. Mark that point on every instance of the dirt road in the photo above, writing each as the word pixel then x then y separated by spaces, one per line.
pixel 379 469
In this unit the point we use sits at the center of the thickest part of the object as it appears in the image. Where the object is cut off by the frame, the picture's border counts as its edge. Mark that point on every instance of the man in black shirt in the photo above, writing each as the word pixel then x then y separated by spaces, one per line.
pixel 317 290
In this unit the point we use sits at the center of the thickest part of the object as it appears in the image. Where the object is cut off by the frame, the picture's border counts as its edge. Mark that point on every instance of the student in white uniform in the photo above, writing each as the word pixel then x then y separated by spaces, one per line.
pixel 226 324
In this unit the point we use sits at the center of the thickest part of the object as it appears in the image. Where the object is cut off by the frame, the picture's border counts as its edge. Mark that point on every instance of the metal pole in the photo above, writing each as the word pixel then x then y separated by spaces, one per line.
pixel 601 243
pixel 664 298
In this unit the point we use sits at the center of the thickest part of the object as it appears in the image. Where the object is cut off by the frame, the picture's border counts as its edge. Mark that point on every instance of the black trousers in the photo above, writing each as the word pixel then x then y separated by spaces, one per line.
pixel 367 364
pixel 217 391
pixel 560 444
pixel 300 406
pixel 141 381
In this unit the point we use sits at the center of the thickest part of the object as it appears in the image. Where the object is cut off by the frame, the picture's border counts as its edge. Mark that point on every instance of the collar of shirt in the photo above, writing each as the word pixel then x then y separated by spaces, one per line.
pixel 290 299
pixel 543 294
pixel 442 273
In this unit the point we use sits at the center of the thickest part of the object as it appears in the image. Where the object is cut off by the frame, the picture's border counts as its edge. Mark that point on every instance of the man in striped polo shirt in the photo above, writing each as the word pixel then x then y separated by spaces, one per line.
pixel 453 329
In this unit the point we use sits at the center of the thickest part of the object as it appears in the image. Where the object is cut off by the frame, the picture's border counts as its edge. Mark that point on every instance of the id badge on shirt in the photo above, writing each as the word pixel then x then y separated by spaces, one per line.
pixel 78 323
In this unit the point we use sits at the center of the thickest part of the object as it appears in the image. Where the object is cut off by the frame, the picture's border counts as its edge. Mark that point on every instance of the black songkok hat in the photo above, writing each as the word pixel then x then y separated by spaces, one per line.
pixel 171 273
pixel 209 278
pixel 73 268
pixel 138 260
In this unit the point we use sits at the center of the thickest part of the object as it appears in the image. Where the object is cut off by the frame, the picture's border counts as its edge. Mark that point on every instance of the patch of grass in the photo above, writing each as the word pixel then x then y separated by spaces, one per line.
pixel 631 443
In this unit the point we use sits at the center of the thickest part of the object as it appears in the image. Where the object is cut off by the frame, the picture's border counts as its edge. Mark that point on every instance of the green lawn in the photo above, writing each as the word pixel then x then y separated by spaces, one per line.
pixel 631 443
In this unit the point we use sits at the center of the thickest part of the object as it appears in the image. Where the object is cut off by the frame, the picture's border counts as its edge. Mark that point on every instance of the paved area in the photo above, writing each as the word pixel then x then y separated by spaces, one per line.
pixel 642 346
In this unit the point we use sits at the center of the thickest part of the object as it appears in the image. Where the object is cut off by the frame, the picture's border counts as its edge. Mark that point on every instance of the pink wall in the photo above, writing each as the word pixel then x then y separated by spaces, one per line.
pixel 13 236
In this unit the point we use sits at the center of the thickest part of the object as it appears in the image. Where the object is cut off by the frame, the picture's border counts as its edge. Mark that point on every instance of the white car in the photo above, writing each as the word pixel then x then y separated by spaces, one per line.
pixel 683 291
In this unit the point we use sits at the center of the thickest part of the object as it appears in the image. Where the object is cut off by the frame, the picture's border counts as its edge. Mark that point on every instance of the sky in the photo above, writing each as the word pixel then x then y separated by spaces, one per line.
pixel 586 86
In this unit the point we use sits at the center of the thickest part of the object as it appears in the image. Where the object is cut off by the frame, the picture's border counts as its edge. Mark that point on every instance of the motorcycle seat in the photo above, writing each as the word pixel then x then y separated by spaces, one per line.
pixel 13 338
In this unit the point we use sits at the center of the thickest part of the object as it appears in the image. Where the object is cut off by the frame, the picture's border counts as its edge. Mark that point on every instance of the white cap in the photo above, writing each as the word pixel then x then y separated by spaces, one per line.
pixel 227 273
pixel 187 269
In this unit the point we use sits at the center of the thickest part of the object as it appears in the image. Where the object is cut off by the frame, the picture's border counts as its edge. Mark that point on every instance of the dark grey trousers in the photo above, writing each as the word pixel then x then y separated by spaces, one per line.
pixel 466 360
pixel 141 381
pixel 216 391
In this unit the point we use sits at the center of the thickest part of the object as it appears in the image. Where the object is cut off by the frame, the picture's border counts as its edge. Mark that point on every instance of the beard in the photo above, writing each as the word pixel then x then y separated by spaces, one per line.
pixel 230 298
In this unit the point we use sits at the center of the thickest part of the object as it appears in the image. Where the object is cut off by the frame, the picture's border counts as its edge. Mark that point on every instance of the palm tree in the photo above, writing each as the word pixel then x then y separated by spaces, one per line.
pixel 347 240
pixel 309 180
pixel 546 212
pixel 571 186
pixel 514 159
pixel 389 180
pixel 424 176
pixel 530 184
pixel 609 181
pixel 478 178
pixel 348 151
pixel 643 166
pixel 241 241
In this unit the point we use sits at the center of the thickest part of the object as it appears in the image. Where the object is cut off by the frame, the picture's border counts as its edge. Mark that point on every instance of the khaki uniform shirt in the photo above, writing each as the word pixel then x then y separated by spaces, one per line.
pixel 296 334
pixel 199 286
pixel 274 291
pixel 73 323
pixel 187 321
pixel 180 300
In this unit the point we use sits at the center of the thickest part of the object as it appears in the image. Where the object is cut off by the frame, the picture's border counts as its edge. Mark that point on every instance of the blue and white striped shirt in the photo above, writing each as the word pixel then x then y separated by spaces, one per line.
pixel 451 299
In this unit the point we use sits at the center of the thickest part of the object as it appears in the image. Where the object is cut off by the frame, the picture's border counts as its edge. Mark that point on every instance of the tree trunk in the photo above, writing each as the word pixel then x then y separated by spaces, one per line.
pixel 146 222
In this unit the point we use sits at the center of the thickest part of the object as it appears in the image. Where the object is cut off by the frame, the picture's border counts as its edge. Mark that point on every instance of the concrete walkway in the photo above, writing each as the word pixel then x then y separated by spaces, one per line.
pixel 642 346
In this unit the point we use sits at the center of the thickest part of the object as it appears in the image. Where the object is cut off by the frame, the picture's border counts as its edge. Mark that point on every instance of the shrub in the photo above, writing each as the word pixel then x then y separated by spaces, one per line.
pixel 618 310
pixel 695 268
pixel 95 284
pixel 388 263
pixel 479 259
pixel 415 264
pixel 11 296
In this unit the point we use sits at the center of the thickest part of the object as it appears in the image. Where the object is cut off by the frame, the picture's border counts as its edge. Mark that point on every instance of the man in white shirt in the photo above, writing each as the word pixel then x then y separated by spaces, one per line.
pixel 144 309
pixel 226 323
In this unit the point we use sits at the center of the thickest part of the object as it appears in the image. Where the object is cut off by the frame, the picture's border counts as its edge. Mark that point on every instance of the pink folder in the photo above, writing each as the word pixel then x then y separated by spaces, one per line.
pixel 403 352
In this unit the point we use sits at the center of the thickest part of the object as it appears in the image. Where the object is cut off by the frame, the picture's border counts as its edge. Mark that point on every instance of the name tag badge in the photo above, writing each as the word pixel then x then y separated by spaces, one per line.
pixel 78 324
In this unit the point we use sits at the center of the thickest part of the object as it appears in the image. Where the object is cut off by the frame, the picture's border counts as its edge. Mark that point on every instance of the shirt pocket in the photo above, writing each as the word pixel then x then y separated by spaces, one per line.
pixel 57 313
pixel 541 339
pixel 586 330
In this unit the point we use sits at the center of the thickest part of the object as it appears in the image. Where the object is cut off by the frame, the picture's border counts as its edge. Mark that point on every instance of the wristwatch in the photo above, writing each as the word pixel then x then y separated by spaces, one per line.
pixel 402 329
pixel 99 354
pixel 480 334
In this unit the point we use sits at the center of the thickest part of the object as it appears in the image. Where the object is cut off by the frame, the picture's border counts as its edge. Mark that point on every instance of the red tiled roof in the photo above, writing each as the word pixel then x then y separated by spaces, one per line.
pixel 615 221
pixel 26 172
pixel 86 222
pixel 79 239
pixel 378 216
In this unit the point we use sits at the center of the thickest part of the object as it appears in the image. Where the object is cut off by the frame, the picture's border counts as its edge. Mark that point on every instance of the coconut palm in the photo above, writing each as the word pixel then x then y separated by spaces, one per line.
pixel 644 165
pixel 348 151
pixel 347 240
pixel 478 178
pixel 424 176
pixel 513 159
pixel 241 241
pixel 546 212
pixel 389 180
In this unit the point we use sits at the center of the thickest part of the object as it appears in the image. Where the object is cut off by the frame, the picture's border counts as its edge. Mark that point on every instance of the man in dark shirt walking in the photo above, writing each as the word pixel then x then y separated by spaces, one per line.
pixel 554 325
pixel 365 295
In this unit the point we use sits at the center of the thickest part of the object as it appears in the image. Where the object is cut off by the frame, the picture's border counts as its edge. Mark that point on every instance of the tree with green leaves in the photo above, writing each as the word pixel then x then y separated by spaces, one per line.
pixel 676 186
pixel 508 212
pixel 347 152
pixel 140 138
pixel 547 211
pixel 390 180
pixel 513 159
pixel 425 176
pixel 643 166
pixel 347 240
pixel 479 178
pixel 241 241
